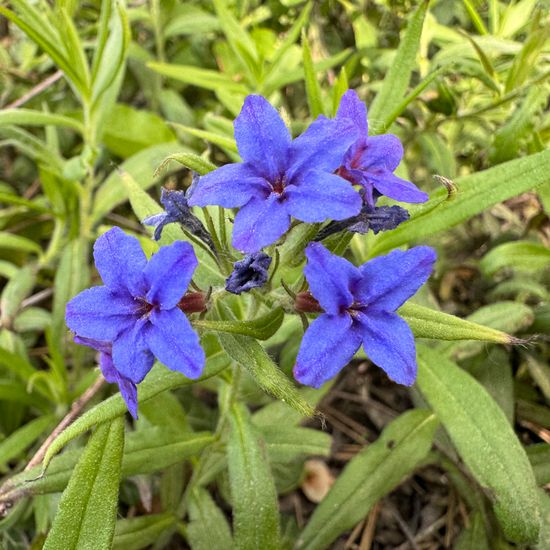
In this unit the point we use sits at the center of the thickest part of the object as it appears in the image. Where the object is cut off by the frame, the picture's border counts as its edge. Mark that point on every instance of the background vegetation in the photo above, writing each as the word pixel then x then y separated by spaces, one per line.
pixel 95 95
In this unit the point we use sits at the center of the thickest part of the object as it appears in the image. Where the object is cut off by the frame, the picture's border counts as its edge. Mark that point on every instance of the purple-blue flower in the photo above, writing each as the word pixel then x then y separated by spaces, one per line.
pixel 280 177
pixel 371 160
pixel 248 273
pixel 127 388
pixel 137 309
pixel 360 304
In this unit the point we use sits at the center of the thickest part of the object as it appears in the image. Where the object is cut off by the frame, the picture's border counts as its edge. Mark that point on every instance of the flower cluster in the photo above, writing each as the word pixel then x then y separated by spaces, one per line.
pixel 334 172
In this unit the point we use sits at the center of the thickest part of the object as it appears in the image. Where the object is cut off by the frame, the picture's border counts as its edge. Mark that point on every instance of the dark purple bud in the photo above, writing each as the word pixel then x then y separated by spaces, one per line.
pixel 306 303
pixel 177 210
pixel 193 302
pixel 248 273
pixel 374 218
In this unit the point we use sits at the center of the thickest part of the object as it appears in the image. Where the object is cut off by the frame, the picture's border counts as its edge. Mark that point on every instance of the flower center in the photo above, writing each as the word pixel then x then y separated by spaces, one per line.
pixel 279 184
pixel 356 308
pixel 144 307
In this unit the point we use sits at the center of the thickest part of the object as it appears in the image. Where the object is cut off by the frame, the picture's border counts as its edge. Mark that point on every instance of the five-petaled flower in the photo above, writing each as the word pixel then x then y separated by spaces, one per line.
pixel 371 160
pixel 280 177
pixel 137 310
pixel 360 304
pixel 248 273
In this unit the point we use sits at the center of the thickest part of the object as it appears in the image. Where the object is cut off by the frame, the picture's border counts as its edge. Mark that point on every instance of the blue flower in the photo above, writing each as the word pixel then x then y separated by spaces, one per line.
pixel 360 304
pixel 127 388
pixel 248 273
pixel 137 310
pixel 370 161
pixel 177 211
pixel 280 177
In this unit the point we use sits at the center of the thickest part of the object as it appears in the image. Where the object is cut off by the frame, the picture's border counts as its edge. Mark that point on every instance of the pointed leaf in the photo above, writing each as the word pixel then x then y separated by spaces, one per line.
pixel 485 441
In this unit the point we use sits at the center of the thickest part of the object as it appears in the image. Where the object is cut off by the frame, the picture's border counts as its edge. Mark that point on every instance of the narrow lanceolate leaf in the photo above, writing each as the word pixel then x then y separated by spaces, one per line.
pixel 485 441
pixel 429 323
pixel 476 192
pixel 158 381
pixel 31 117
pixel 189 160
pixel 87 512
pixel 208 527
pixel 249 353
pixel 370 475
pixel 518 255
pixel 313 89
pixel 142 531
pixel 262 328
pixel 255 506
pixel 398 76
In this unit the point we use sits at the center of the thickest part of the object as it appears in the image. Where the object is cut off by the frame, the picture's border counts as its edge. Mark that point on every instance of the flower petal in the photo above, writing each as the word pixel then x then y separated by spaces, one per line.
pixel 389 344
pixel 262 137
pixel 230 186
pixel 127 388
pixel 321 147
pixel 120 261
pixel 100 314
pixel 168 274
pixel 388 281
pixel 321 196
pixel 395 188
pixel 353 108
pixel 131 355
pixel 331 278
pixel 327 347
pixel 174 343
pixel 260 223
pixel 382 151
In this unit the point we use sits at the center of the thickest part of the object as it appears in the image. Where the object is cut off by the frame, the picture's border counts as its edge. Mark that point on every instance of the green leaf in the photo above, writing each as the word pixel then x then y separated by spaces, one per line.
pixel 141 167
pixel 250 354
pixel 112 44
pixel 17 289
pixel 72 276
pixel 191 20
pixel 255 506
pixel 157 381
pixel 398 76
pixel 16 242
pixel 154 449
pixel 476 192
pixel 485 441
pixel 539 457
pixel 517 255
pixel 30 117
pixel 370 475
pixel 208 528
pixel 429 323
pixel 239 40
pixel 313 89
pixel 189 160
pixel 261 328
pixel 23 438
pixel 203 78
pixel 142 531
pixel 474 536
pixel 127 131
pixel 217 139
pixel 286 443
pixel 87 512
